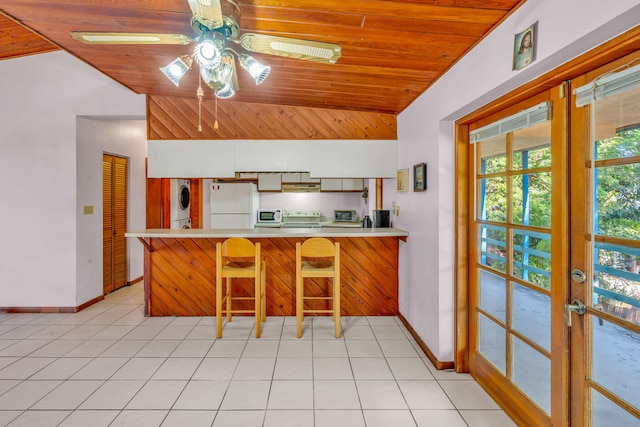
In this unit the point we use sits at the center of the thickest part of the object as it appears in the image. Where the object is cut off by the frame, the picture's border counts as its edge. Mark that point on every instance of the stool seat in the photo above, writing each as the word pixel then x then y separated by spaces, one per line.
pixel 318 257
pixel 238 257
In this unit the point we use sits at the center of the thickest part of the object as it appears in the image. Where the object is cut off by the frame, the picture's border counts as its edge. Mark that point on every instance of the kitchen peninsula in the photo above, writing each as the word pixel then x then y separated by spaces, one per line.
pixel 179 269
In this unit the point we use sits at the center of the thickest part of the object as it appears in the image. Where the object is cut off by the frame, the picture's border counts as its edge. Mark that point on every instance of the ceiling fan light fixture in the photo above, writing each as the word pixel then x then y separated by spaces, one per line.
pixel 207 54
pixel 176 70
pixel 258 71
pixel 217 78
pixel 231 87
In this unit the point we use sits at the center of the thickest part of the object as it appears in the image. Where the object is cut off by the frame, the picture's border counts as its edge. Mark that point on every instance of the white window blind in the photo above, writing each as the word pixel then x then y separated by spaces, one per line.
pixel 608 85
pixel 523 119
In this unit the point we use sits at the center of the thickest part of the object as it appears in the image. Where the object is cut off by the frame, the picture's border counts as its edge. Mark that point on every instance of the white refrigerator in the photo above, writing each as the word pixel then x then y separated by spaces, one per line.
pixel 234 205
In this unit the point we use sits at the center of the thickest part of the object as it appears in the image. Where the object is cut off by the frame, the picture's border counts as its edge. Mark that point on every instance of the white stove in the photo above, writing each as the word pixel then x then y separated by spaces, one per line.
pixel 301 219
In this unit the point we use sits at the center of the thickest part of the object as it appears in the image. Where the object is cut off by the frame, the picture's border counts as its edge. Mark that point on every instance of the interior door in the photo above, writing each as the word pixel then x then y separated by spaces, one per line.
pixel 517 288
pixel 605 241
pixel 114 208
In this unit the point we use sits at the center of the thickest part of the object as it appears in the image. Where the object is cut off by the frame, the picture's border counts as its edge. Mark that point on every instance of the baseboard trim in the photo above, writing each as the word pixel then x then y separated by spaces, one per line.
pixel 136 280
pixel 51 309
pixel 440 365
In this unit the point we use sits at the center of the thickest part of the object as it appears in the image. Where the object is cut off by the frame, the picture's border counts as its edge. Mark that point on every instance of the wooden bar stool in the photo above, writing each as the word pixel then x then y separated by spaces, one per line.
pixel 318 250
pixel 239 258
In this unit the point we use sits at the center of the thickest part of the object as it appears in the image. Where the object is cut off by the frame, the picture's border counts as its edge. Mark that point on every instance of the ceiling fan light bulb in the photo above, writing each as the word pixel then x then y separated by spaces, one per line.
pixel 207 54
pixel 258 71
pixel 176 70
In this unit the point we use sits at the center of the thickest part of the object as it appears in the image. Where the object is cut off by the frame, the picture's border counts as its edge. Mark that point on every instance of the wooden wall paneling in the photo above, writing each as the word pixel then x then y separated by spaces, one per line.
pixel 196 203
pixel 369 277
pixel 174 118
pixel 166 202
pixel 153 199
pixel 185 282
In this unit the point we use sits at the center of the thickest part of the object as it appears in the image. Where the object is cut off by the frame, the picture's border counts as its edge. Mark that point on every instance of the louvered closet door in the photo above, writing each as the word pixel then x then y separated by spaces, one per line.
pixel 114 187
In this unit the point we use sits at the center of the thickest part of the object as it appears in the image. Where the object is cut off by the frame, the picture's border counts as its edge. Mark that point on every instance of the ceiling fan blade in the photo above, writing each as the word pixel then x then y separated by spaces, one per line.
pixel 308 50
pixel 207 12
pixel 129 38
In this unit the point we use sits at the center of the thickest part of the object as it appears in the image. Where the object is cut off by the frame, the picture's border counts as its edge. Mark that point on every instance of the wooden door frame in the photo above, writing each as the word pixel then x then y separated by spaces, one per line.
pixel 608 52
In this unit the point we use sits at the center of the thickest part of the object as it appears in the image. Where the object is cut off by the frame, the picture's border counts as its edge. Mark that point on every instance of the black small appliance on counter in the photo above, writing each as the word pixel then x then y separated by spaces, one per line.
pixel 381 218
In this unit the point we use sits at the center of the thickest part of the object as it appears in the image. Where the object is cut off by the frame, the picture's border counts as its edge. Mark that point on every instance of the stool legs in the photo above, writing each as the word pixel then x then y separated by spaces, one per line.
pixel 258 305
pixel 263 290
pixel 299 306
pixel 219 306
pixel 229 299
pixel 336 303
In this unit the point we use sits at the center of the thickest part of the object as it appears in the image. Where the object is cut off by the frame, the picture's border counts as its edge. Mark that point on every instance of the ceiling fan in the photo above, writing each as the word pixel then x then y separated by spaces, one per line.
pixel 215 23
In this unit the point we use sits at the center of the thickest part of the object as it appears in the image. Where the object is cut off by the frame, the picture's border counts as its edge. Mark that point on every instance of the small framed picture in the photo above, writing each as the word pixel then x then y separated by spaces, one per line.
pixel 524 47
pixel 420 177
pixel 402 180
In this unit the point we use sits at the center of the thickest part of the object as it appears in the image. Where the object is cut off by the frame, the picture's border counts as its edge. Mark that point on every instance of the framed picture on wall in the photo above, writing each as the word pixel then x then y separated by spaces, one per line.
pixel 420 177
pixel 524 47
pixel 402 180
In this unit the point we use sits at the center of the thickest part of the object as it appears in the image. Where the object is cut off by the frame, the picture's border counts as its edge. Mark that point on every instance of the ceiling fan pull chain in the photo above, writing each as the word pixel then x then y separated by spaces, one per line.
pixel 200 94
pixel 215 123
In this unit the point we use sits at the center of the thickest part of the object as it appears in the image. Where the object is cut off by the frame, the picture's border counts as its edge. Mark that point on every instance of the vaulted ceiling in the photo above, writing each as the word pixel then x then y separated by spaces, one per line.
pixel 391 50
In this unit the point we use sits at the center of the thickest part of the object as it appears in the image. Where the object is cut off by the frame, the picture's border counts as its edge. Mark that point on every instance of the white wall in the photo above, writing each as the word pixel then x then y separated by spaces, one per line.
pixel 40 98
pixel 426 134
pixel 125 138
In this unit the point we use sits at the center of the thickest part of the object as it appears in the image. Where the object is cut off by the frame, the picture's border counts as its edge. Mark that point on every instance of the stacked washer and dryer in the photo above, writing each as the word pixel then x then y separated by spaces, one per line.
pixel 180 203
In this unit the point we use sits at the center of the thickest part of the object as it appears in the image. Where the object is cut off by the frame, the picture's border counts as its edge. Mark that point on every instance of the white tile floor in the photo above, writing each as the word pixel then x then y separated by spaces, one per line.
pixel 110 366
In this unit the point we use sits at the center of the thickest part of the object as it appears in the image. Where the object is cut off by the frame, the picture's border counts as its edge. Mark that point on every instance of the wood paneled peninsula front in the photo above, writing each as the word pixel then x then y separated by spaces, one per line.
pixel 179 269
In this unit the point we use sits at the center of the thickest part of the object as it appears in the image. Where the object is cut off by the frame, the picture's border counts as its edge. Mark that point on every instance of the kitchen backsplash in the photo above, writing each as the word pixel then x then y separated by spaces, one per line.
pixel 324 202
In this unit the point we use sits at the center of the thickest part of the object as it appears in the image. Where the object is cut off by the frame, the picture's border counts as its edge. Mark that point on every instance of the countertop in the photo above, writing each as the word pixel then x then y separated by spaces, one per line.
pixel 270 232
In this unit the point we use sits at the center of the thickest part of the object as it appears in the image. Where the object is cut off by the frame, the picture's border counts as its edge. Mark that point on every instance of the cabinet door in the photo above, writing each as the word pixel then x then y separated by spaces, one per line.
pixel 352 185
pixel 269 182
pixel 291 178
pixel 330 184
pixel 305 177
pixel 356 159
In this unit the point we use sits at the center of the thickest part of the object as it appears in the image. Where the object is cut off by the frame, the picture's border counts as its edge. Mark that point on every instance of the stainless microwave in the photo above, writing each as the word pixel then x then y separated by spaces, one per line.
pixel 270 216
pixel 344 216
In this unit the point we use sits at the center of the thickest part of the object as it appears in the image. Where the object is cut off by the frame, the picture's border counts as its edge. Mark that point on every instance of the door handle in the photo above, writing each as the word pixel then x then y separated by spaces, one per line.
pixel 577 306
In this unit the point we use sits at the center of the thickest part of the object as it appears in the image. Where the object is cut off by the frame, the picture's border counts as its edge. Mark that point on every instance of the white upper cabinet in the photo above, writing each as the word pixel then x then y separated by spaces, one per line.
pixel 269 182
pixel 272 156
pixel 191 159
pixel 318 158
pixel 347 184
pixel 352 184
pixel 299 178
pixel 353 158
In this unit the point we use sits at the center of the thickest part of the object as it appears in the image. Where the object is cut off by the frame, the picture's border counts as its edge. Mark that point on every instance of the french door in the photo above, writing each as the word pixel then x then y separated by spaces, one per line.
pixel 605 242
pixel 554 250
pixel 519 252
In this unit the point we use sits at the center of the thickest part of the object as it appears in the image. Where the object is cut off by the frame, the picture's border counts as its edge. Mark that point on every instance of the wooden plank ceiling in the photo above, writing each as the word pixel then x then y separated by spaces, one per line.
pixel 391 50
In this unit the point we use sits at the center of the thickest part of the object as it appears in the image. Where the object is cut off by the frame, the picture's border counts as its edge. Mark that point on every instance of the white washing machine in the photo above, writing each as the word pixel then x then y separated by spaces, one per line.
pixel 180 200
pixel 181 223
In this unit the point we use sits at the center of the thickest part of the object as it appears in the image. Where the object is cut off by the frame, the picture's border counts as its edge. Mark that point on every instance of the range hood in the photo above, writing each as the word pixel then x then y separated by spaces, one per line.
pixel 300 187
